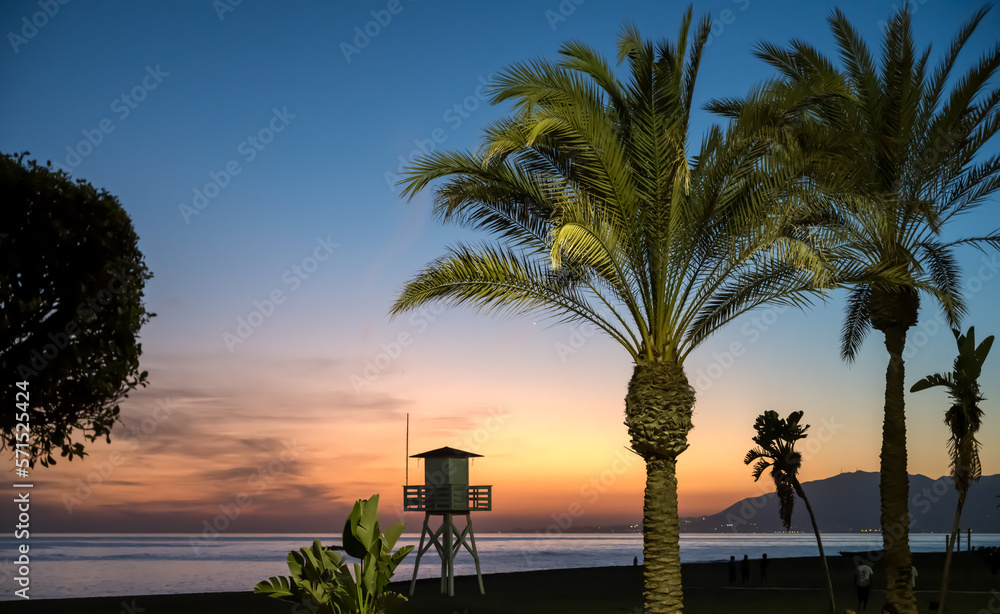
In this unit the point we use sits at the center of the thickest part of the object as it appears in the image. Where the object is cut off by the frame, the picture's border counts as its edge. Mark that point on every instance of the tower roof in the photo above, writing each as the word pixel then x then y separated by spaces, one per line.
pixel 447 452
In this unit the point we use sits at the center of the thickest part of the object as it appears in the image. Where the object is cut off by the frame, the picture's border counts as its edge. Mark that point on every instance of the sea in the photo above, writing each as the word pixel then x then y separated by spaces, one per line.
pixel 93 565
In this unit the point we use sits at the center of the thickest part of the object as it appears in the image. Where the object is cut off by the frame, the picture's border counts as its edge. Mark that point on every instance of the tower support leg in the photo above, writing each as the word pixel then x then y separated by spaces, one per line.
pixel 448 561
pixel 475 553
pixel 447 540
pixel 425 532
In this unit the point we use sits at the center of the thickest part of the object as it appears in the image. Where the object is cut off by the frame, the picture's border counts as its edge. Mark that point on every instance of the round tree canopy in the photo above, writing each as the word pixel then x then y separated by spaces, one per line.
pixel 71 289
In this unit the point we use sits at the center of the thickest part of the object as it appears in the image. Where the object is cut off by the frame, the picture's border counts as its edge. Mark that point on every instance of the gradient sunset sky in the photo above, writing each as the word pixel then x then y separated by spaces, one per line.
pixel 255 148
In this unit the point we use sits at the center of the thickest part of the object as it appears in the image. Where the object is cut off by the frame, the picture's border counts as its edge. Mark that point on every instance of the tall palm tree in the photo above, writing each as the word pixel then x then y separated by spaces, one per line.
pixel 902 151
pixel 963 419
pixel 599 215
pixel 776 438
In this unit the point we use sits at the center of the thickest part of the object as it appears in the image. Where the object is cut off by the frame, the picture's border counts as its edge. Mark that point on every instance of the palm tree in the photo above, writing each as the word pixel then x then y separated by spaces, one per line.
pixel 600 216
pixel 963 419
pixel 901 151
pixel 775 439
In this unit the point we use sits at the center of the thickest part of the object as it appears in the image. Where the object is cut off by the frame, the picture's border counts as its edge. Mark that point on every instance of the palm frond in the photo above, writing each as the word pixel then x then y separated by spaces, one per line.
pixel 857 59
pixel 946 276
pixel 589 185
pixel 857 322
pixel 943 72
pixel 496 280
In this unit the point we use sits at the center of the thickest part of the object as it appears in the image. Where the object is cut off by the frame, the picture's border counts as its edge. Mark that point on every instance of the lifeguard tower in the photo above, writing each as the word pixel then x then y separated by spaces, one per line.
pixel 446 493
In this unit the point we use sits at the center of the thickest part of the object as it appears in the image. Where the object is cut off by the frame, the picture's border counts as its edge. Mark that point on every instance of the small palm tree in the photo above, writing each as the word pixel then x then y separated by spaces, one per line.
pixel 776 438
pixel 601 216
pixel 963 419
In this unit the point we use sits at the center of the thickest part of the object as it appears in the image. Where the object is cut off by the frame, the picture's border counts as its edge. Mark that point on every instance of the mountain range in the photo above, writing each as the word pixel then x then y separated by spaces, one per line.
pixel 849 502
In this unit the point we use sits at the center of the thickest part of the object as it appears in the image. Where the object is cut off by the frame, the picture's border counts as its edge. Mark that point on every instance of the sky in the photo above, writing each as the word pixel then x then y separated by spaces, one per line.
pixel 255 146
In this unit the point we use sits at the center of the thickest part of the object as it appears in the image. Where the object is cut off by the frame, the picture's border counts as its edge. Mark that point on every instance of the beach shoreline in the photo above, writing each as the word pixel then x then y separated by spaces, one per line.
pixel 792 585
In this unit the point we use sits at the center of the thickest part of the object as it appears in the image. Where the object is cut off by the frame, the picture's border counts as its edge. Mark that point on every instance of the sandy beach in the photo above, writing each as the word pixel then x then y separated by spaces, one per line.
pixel 792 585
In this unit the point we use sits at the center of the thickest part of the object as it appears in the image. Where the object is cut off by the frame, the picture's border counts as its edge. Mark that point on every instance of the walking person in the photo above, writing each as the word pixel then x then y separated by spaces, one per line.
pixel 863 581
pixel 732 569
pixel 763 568
pixel 745 568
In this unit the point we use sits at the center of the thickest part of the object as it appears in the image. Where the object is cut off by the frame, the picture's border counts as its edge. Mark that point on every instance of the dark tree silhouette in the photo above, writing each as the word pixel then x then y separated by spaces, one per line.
pixel 71 289
pixel 963 419
pixel 776 438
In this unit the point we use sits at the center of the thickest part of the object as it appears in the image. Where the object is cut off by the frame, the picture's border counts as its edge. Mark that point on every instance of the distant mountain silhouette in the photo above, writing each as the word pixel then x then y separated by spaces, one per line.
pixel 849 502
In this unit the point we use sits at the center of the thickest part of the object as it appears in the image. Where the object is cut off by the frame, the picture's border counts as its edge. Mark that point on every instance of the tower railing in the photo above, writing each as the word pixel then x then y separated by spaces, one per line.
pixel 447 498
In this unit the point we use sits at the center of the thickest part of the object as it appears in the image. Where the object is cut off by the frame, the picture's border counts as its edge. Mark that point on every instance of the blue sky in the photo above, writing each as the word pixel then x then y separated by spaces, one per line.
pixel 288 118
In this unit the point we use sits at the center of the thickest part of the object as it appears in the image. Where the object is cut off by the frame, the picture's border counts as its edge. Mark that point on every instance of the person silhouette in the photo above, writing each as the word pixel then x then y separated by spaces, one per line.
pixel 745 568
pixel 863 582
pixel 763 568
pixel 732 569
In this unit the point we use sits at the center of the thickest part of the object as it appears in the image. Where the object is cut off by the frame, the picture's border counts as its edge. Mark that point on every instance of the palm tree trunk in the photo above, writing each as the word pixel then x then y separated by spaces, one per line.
pixel 658 410
pixel 894 482
pixel 819 542
pixel 951 546
pixel 661 539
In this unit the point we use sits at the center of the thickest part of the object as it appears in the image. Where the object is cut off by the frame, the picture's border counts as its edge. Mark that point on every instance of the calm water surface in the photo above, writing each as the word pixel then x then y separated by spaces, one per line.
pixel 99 565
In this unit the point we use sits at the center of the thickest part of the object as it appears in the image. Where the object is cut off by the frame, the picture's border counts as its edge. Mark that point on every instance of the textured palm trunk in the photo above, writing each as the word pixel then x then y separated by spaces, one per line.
pixel 892 313
pixel 894 482
pixel 658 410
pixel 661 556
pixel 819 543
pixel 951 546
